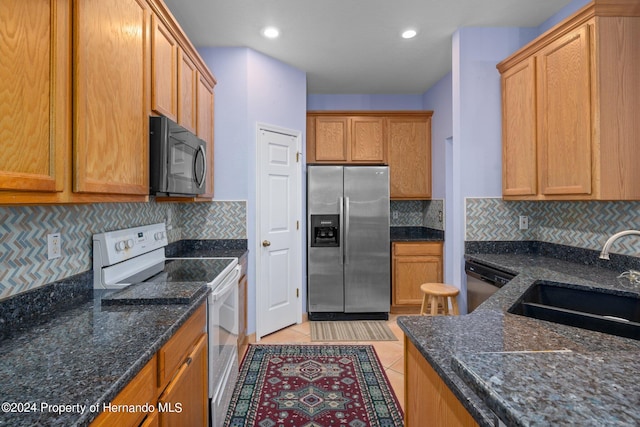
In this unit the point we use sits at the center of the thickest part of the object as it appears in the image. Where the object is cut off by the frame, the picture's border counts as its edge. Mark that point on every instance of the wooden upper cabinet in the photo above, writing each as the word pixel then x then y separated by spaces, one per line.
pixel 187 87
pixel 111 122
pixel 164 70
pixel 410 156
pixel 519 159
pixel 585 121
pixel 35 97
pixel 368 143
pixel 204 124
pixel 344 138
pixel 331 138
pixel 401 139
pixel 564 114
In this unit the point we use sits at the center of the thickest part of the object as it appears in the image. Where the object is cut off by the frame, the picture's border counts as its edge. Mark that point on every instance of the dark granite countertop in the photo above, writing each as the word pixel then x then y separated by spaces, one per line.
pixel 234 248
pixel 59 345
pixel 532 372
pixel 410 234
pixel 83 356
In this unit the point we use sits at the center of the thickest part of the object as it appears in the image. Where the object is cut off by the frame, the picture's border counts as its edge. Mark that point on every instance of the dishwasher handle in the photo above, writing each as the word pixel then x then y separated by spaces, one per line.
pixel 488 274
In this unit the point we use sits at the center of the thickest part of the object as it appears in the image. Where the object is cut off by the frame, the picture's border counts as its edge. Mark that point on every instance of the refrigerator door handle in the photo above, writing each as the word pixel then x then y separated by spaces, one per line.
pixel 346 229
pixel 342 233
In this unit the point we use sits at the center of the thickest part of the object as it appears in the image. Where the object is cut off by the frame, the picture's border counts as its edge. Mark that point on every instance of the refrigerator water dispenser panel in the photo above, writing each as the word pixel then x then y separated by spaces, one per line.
pixel 325 231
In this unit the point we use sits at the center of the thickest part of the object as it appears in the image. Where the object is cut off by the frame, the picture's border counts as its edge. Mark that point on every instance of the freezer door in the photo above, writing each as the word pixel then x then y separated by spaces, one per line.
pixel 325 290
pixel 366 242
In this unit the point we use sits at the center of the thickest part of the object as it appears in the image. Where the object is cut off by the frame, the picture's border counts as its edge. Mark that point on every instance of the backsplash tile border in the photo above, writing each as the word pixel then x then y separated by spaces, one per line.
pixel 23 234
pixel 581 224
pixel 417 213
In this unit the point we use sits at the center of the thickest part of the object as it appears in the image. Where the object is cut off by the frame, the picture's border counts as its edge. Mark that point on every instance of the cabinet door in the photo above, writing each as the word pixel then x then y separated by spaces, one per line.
pixel 204 125
pixel 242 316
pixel 140 391
pixel 164 71
pixel 111 114
pixel 414 264
pixel 184 401
pixel 35 94
pixel 367 140
pixel 519 163
pixel 409 142
pixel 331 139
pixel 428 400
pixel 564 115
pixel 187 82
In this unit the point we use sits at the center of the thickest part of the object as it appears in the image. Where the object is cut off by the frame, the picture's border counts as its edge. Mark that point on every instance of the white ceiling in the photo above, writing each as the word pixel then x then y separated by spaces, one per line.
pixel 354 46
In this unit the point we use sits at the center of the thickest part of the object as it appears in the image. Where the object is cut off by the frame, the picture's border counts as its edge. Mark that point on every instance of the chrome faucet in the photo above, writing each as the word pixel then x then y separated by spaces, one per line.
pixel 605 249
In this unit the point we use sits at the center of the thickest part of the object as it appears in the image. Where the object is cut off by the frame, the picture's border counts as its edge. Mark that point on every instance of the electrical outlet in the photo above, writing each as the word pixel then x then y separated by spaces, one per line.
pixel 395 214
pixel 524 222
pixel 54 246
pixel 439 216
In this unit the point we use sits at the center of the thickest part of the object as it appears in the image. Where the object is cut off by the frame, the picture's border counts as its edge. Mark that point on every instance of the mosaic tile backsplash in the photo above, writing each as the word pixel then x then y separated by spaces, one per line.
pixel 579 224
pixel 417 213
pixel 23 234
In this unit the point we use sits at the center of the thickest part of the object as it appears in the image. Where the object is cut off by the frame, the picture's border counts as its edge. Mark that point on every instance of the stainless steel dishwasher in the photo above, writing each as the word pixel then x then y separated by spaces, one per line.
pixel 482 282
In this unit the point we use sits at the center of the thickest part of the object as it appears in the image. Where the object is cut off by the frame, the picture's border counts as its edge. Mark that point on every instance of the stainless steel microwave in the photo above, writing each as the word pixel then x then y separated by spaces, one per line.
pixel 178 160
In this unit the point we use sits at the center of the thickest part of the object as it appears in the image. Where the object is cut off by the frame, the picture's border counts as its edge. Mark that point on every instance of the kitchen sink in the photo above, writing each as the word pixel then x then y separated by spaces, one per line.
pixel 596 310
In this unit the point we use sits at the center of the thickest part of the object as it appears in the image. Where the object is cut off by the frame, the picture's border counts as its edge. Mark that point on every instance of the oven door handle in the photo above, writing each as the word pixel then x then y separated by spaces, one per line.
pixel 228 284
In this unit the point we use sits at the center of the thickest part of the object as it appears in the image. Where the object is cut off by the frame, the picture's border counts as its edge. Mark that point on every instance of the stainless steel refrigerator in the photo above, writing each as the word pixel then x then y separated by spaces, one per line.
pixel 348 261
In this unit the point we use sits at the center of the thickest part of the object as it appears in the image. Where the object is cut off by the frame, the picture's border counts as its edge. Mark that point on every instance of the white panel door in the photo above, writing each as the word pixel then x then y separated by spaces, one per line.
pixel 278 302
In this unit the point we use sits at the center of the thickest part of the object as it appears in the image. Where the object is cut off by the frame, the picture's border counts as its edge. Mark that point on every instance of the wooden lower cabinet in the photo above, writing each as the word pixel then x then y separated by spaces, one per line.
pixel 152 420
pixel 428 400
pixel 174 384
pixel 413 263
pixel 142 390
pixel 243 339
pixel 184 401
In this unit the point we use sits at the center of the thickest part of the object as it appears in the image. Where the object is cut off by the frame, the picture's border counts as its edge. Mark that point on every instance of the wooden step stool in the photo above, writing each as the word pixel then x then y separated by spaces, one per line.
pixel 435 294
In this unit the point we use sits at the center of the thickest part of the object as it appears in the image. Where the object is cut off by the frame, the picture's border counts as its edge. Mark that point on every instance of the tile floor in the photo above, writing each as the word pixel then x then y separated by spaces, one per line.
pixel 390 353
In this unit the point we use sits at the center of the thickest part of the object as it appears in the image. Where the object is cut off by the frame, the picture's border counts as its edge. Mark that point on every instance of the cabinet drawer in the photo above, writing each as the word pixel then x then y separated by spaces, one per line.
pixel 174 352
pixel 422 248
pixel 184 401
pixel 141 390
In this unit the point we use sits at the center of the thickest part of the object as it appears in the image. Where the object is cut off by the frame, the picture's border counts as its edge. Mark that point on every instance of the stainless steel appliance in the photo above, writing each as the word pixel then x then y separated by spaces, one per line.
pixel 348 242
pixel 482 282
pixel 137 255
pixel 178 159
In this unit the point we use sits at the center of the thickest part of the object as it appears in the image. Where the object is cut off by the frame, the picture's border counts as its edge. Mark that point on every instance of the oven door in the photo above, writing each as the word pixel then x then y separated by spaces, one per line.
pixel 223 344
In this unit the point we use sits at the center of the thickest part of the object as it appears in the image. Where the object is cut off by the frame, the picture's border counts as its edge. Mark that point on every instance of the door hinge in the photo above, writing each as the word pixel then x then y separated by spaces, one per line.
pixel 297 292
pixel 297 225
pixel 298 156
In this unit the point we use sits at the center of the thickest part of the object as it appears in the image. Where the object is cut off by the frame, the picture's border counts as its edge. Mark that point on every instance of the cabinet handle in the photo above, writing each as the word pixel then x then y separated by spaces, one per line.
pixel 189 360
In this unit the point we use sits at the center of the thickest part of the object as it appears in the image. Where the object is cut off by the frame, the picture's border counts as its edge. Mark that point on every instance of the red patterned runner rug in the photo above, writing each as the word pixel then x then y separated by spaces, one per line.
pixel 313 386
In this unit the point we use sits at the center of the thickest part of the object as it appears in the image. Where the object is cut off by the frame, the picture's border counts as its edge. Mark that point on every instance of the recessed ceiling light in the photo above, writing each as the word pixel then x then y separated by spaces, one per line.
pixel 409 34
pixel 271 32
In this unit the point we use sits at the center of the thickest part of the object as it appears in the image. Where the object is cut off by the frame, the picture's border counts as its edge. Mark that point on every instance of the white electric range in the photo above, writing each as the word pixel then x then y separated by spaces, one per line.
pixel 135 256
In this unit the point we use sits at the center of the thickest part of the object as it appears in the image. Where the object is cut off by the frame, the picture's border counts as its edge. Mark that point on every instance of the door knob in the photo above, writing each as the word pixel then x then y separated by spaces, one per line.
pixel 266 243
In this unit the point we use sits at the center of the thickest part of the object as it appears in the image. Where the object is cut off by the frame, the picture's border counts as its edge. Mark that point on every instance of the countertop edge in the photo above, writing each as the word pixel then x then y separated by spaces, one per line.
pixel 144 358
pixel 482 418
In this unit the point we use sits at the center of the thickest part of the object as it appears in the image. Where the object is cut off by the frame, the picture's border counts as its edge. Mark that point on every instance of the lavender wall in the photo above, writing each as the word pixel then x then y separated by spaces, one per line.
pixel 572 7
pixel 253 88
pixel 364 102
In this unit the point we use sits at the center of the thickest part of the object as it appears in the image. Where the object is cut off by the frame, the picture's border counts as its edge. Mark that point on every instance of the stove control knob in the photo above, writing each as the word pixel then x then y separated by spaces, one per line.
pixel 120 246
pixel 159 235
pixel 129 243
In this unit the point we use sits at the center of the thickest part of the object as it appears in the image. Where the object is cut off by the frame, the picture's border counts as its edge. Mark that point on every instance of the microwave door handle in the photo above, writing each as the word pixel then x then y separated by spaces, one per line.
pixel 204 168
